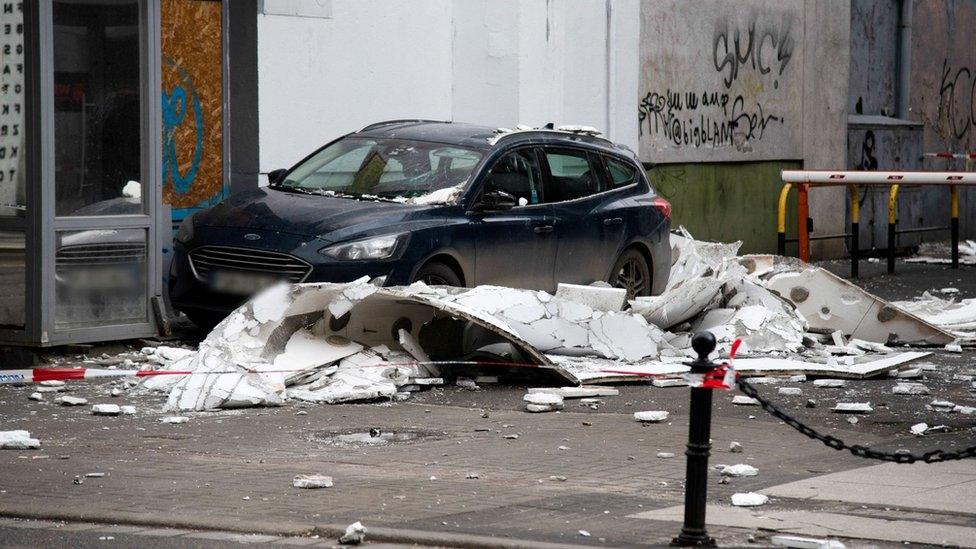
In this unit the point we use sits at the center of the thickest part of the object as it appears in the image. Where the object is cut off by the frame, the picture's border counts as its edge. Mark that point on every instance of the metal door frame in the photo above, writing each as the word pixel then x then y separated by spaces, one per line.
pixel 47 224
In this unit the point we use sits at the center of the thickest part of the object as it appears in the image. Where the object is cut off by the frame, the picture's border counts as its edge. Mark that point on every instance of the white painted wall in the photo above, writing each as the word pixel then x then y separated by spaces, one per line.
pixel 493 62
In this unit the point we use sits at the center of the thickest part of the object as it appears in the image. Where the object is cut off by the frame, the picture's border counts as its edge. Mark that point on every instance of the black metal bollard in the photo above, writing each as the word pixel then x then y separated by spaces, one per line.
pixel 699 435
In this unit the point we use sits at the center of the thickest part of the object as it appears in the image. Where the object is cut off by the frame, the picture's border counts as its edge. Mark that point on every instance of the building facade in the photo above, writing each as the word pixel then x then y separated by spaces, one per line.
pixel 119 118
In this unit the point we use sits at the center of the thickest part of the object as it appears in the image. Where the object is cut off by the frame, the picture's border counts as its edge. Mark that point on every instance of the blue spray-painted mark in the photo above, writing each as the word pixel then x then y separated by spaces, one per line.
pixel 175 107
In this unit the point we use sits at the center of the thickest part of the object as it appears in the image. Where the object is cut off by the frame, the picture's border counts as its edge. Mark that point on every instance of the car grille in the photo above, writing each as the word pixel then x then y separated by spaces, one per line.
pixel 100 254
pixel 207 258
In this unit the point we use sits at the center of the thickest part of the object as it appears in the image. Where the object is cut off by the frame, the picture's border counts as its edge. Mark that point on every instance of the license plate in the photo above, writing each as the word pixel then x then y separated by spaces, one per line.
pixel 231 282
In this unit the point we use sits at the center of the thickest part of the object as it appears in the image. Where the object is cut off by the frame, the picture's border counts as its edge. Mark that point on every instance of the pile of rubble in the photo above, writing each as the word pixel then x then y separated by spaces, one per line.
pixel 334 343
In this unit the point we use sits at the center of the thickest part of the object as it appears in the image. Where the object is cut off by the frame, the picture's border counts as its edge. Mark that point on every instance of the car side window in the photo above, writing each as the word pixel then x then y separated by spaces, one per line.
pixel 518 174
pixel 621 174
pixel 574 174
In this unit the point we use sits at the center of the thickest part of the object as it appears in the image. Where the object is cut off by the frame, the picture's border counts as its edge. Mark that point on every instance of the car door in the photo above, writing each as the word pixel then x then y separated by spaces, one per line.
pixel 516 246
pixel 589 231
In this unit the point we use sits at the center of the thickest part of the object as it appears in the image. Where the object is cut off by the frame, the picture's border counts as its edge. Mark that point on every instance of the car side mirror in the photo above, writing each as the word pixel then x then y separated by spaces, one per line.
pixel 496 200
pixel 275 176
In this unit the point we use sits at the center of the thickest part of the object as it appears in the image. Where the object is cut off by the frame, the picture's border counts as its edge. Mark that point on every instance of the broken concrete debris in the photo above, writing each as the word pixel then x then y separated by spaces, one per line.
pixel 749 499
pixel 106 410
pixel 738 470
pixel 741 400
pixel 174 420
pixel 908 388
pixel 652 416
pixel 735 447
pixel 853 408
pixel 36 396
pixel 334 343
pixel 797 542
pixel 542 402
pixel 70 401
pixel 311 482
pixel 18 440
pixel 354 535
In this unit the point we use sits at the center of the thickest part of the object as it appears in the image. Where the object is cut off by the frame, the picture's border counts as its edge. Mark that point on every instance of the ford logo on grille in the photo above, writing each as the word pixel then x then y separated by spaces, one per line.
pixel 252 236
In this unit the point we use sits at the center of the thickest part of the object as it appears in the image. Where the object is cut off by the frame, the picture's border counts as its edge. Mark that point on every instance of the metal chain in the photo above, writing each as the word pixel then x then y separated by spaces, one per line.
pixel 856 449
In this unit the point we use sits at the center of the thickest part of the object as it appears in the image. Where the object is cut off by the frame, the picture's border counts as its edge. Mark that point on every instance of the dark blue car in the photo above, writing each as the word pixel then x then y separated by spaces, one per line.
pixel 444 203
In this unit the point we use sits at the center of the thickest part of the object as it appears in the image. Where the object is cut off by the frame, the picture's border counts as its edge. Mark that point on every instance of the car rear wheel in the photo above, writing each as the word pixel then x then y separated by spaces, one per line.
pixel 632 273
pixel 437 274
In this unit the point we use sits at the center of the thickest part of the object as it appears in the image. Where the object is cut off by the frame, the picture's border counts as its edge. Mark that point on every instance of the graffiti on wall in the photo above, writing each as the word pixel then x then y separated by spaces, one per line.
pixel 192 105
pixel 728 86
pixel 957 101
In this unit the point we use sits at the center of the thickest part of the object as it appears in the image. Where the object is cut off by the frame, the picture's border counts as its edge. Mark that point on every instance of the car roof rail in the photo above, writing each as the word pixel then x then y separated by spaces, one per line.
pixel 401 121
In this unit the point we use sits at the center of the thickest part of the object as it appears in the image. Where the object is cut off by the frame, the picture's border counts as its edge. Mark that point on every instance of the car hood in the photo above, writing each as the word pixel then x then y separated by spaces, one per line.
pixel 304 214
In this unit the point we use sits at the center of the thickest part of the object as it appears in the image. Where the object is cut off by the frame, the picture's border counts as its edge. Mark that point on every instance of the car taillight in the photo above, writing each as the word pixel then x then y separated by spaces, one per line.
pixel 662 206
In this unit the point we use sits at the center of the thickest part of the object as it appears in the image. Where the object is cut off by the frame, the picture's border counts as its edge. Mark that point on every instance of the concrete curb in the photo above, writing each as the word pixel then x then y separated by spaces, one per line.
pixel 325 531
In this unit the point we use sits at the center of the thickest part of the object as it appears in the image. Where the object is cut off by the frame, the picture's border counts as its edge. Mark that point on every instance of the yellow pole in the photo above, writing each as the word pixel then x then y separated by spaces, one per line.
pixel 784 194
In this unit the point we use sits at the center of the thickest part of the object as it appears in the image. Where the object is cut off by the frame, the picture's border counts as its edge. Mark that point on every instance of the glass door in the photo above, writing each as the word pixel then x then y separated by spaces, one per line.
pixel 103 106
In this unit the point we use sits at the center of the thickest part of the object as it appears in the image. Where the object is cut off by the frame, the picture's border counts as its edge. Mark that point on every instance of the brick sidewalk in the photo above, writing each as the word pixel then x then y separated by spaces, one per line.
pixel 198 474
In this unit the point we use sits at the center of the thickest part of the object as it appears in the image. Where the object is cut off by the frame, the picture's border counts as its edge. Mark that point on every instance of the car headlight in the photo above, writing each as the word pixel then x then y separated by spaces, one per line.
pixel 378 247
pixel 185 233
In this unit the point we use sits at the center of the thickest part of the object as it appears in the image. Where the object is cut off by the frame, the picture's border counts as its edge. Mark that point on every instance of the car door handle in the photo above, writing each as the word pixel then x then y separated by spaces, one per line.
pixel 613 221
pixel 540 229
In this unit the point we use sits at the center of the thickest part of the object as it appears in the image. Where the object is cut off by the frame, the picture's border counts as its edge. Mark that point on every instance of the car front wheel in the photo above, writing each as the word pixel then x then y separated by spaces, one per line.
pixel 437 274
pixel 632 273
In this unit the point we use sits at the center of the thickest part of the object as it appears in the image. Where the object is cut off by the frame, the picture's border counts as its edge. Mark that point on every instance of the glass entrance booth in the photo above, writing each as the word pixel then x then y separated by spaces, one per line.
pixel 81 220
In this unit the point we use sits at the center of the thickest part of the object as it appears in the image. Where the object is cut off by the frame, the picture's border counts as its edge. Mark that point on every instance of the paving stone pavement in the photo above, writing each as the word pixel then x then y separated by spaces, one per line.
pixel 232 470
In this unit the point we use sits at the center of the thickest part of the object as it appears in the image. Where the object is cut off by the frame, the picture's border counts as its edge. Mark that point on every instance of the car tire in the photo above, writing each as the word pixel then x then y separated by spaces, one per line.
pixel 205 321
pixel 632 272
pixel 437 274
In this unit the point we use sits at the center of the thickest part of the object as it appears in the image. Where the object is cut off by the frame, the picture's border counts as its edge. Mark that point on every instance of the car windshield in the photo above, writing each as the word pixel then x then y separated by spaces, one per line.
pixel 388 169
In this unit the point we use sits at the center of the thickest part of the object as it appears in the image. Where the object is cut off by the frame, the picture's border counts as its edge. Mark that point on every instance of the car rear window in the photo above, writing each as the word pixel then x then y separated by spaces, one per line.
pixel 621 174
pixel 575 174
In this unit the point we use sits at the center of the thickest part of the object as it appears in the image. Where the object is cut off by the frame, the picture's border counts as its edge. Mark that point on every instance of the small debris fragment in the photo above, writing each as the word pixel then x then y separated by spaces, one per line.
pixel 174 420
pixel 465 383
pixel 116 392
pixel 511 437
pixel 94 475
pixel 919 429
pixel 355 534
pixel 106 410
pixel 312 482
pixel 36 396
pixel 811 403
pixel 830 383
pixel 542 402
pixel 853 408
pixel 51 383
pixel 127 410
pixel 749 499
pixel 942 405
pixel 669 383
pixel 852 420
pixel 735 447
pixel 911 373
pixel 71 401
pixel 908 388
pixel 18 440
pixel 651 416
pixel 965 410
pixel 791 391
pixel 472 476
pixel 806 543
pixel 742 400
pixel 585 391
pixel 665 455
pixel 739 470
pixel 557 478
pixel 78 480
pixel 584 533
pixel 953 348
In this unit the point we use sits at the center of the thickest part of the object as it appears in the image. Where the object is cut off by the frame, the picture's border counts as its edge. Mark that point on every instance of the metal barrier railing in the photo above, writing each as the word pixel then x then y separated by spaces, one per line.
pixel 803 180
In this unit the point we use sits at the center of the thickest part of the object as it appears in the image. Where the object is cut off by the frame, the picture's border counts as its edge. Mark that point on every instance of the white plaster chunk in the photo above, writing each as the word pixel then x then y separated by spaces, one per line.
pixel 584 391
pixel 749 499
pixel 311 482
pixel 595 297
pixel 942 405
pixel 919 429
pixel 71 401
pixel 798 542
pixel 271 304
pixel 127 410
pixel 306 350
pixel 739 470
pixel 830 383
pixel 543 399
pixel 174 420
pixel 742 400
pixel 51 383
pixel 790 391
pixel 853 408
pixel 651 416
pixel 910 389
pixel 18 440
pixel 354 535
pixel 525 313
pixel 539 408
pixel 625 337
pixel 106 410
pixel 36 396
pixel 964 410
pixel 664 383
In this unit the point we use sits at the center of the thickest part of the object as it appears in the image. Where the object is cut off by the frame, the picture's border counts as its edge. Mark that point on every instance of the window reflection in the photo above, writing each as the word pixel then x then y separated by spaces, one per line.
pixel 97 107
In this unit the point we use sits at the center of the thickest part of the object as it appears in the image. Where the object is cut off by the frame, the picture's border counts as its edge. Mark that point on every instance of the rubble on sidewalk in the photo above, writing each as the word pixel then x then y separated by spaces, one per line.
pixel 939 253
pixel 334 343
pixel 955 317
pixel 749 499
pixel 18 440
